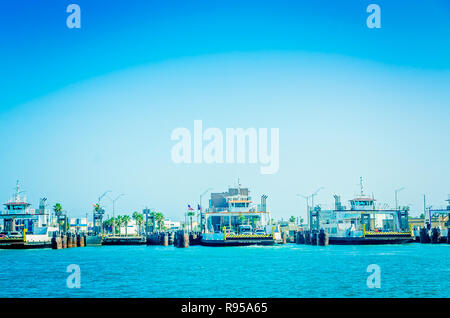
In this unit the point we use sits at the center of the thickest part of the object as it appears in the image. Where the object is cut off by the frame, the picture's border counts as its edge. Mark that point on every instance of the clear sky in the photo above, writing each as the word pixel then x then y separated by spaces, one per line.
pixel 87 110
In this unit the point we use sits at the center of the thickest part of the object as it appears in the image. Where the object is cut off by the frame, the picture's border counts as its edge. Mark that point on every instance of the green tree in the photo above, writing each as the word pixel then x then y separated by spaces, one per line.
pixel 126 219
pixel 159 218
pixel 191 214
pixel 119 222
pixel 139 219
pixel 292 219
pixel 57 208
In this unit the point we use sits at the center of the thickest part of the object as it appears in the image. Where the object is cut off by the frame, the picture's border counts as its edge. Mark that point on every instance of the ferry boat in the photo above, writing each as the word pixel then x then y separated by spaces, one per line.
pixel 23 226
pixel 232 220
pixel 363 223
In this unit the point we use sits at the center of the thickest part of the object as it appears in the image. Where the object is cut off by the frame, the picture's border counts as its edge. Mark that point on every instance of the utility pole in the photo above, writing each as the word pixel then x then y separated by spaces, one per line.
pixel 201 206
pixel 98 214
pixel 307 206
pixel 308 209
pixel 114 205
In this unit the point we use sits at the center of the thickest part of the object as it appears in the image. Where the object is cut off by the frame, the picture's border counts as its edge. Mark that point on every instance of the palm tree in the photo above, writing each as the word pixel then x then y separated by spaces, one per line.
pixel 57 208
pixel 139 219
pixel 119 222
pixel 159 218
pixel 126 219
pixel 292 219
pixel 107 224
pixel 191 214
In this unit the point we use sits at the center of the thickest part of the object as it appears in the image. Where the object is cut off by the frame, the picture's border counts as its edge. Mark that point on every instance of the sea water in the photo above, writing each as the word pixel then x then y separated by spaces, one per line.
pixel 409 270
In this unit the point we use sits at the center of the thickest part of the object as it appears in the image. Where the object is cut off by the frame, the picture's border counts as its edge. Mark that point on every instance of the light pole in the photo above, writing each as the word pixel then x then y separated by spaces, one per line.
pixel 312 202
pixel 201 206
pixel 98 215
pixel 114 204
pixel 306 197
pixel 396 202
pixel 313 195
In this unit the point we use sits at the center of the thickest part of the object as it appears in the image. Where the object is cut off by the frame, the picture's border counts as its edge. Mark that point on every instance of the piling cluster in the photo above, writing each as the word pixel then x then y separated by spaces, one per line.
pixel 432 236
pixel 68 240
pixel 320 238
pixel 179 238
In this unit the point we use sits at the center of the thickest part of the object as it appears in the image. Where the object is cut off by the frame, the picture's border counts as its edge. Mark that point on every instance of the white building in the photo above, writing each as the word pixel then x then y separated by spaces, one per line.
pixel 79 224
pixel 172 225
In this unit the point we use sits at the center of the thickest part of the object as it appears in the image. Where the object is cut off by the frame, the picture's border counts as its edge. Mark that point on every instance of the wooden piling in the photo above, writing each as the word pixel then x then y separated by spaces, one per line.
pixel 300 237
pixel 435 235
pixel 81 240
pixel 323 238
pixel 424 237
pixel 284 238
pixel 64 241
pixel 165 239
pixel 56 243
pixel 308 237
pixel 185 240
pixel 314 237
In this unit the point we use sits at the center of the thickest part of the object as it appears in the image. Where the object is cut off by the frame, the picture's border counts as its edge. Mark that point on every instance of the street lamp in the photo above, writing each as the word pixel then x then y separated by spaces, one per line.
pixel 307 201
pixel 114 204
pixel 314 194
pixel 306 197
pixel 396 202
pixel 99 215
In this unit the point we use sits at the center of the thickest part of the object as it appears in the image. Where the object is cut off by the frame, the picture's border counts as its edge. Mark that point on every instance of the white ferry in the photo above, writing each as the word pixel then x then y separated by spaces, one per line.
pixel 23 226
pixel 363 223
pixel 232 220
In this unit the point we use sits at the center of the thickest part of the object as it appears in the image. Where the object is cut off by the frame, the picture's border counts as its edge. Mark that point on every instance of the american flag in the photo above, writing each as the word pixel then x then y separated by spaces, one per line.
pixel 189 208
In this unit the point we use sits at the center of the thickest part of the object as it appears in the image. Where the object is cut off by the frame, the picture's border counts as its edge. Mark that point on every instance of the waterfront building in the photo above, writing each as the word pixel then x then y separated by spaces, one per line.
pixel 79 224
pixel 174 225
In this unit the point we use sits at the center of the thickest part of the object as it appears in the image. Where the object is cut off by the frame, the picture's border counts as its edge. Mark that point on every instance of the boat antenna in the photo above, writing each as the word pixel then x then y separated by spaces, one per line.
pixel 361 185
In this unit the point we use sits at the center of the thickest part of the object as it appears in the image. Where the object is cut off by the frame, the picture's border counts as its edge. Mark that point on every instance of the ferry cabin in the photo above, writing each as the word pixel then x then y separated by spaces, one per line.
pixel 362 217
pixel 19 216
pixel 231 209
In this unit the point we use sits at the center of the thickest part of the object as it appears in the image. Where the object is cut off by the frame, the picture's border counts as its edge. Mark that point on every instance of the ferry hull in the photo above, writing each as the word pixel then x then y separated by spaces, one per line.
pixel 369 240
pixel 21 245
pixel 124 241
pixel 93 240
pixel 236 242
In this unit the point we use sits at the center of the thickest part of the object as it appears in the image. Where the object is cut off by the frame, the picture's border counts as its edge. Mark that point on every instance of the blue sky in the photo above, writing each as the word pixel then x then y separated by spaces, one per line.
pixel 88 110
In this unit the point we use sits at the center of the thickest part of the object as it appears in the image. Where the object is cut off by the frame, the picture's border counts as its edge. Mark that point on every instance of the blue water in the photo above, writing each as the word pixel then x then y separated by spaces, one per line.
pixel 290 270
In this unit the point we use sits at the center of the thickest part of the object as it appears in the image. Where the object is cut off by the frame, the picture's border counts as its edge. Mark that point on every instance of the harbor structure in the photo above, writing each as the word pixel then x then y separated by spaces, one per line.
pixel 26 227
pixel 233 219
pixel 363 223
